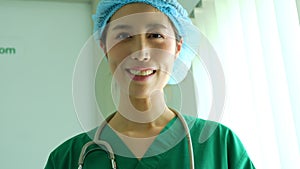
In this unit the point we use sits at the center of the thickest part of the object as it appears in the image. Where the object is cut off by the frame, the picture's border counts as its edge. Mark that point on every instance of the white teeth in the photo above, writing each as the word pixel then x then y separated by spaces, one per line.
pixel 141 73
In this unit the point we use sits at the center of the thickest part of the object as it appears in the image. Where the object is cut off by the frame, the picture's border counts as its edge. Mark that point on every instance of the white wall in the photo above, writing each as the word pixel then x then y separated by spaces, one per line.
pixel 298 9
pixel 36 109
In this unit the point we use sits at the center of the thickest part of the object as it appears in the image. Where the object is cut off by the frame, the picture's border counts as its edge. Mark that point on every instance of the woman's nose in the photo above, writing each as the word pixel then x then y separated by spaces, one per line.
pixel 142 55
pixel 141 49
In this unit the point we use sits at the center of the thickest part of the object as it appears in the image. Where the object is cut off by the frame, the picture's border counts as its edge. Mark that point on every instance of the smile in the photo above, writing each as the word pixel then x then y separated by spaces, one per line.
pixel 141 72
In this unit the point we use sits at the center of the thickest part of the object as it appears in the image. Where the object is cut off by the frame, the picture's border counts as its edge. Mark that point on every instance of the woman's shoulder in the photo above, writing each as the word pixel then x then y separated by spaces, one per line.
pixel 208 127
pixel 73 142
pixel 214 134
pixel 219 141
pixel 66 154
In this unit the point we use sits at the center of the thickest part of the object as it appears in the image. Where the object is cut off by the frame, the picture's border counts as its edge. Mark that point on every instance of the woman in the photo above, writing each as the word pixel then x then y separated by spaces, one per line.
pixel 142 40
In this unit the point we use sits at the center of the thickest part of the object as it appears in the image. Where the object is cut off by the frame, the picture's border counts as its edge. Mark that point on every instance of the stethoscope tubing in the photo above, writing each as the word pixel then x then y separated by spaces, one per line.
pixel 109 150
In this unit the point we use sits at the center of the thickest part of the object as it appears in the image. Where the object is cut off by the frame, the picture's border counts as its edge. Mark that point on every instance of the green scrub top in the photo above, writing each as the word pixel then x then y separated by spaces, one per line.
pixel 221 150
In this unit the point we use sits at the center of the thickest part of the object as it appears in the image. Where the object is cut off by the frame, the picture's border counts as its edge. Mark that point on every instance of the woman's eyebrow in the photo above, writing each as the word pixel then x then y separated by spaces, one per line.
pixel 148 26
pixel 117 27
pixel 156 25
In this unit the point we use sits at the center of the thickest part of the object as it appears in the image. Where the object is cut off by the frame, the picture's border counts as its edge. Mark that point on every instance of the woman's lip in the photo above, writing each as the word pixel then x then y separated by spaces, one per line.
pixel 141 78
pixel 141 68
pixel 141 75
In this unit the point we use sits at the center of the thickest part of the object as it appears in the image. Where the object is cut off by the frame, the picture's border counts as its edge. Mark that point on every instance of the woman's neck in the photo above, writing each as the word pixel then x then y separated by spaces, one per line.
pixel 140 130
pixel 141 117
pixel 138 121
pixel 142 110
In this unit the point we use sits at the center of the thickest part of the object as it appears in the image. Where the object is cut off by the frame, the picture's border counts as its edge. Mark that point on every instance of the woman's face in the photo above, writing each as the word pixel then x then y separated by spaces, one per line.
pixel 141 49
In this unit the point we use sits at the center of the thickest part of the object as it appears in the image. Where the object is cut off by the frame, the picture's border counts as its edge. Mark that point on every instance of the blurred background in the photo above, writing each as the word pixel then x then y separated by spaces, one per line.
pixel 257 42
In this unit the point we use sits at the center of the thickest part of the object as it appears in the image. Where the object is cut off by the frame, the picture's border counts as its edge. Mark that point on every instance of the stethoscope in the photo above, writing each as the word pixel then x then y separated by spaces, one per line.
pixel 96 141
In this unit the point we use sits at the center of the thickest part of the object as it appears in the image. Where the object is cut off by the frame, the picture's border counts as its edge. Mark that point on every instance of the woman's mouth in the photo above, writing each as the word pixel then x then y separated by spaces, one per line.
pixel 140 74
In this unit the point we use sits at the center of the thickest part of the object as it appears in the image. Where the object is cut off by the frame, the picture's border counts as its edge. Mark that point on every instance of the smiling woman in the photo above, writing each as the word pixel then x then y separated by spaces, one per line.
pixel 7 50
pixel 143 51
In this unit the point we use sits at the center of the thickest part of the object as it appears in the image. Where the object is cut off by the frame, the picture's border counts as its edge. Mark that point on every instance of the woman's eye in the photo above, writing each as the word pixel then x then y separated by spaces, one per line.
pixel 122 36
pixel 155 35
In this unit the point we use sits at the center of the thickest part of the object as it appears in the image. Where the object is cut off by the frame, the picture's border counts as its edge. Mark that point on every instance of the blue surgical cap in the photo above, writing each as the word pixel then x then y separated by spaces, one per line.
pixel 171 8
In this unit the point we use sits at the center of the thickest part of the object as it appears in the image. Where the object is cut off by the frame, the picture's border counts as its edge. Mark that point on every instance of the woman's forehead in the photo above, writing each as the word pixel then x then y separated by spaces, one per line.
pixel 147 20
pixel 134 8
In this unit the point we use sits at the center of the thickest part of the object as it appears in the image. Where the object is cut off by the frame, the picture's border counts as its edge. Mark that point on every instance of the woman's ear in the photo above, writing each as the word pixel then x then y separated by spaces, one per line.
pixel 178 47
pixel 103 47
